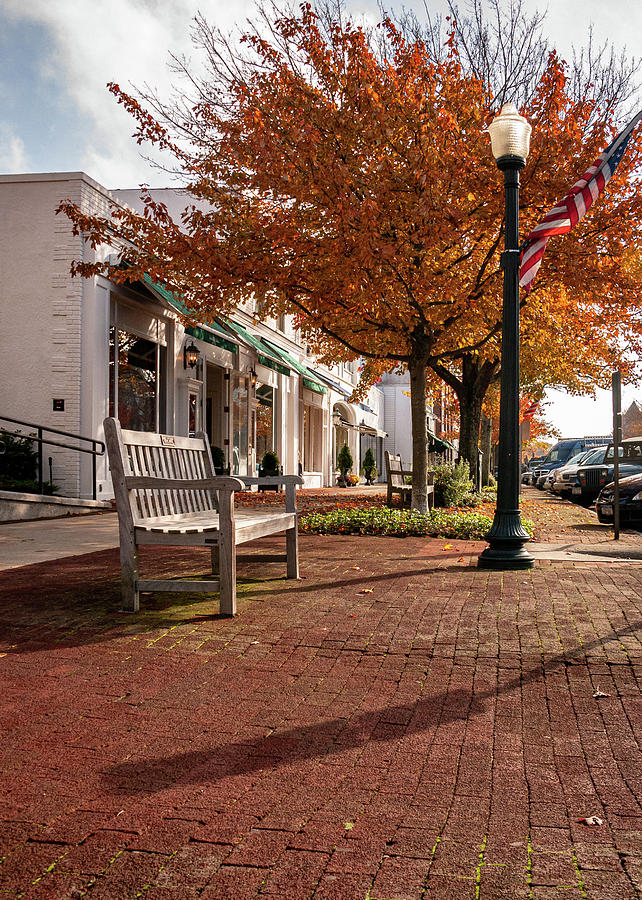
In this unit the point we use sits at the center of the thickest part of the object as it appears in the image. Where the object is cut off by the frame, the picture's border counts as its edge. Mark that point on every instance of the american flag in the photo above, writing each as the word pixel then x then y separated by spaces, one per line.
pixel 579 200
pixel 530 410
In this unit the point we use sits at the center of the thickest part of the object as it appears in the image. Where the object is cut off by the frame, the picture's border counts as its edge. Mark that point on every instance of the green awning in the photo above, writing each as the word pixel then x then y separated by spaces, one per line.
pixel 174 300
pixel 438 445
pixel 211 333
pixel 271 360
pixel 309 379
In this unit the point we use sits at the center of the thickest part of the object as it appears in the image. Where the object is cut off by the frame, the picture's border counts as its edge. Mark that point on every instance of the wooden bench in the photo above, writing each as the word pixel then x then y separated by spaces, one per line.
pixel 396 478
pixel 167 494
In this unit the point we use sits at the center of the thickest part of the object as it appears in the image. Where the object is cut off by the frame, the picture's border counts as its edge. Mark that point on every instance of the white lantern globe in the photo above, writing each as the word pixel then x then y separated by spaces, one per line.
pixel 510 133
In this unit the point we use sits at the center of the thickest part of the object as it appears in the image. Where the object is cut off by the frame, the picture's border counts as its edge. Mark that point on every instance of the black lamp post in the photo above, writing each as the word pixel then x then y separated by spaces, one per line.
pixel 510 135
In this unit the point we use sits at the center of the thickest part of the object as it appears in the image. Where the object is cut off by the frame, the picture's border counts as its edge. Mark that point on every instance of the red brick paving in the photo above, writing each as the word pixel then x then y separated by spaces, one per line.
pixel 437 738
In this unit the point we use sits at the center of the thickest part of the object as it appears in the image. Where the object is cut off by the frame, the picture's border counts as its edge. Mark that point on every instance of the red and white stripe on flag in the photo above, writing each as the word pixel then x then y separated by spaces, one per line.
pixel 530 411
pixel 578 201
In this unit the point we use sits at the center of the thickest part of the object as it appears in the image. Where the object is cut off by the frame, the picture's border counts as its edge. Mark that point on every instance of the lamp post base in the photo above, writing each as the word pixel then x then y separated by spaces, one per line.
pixel 506 539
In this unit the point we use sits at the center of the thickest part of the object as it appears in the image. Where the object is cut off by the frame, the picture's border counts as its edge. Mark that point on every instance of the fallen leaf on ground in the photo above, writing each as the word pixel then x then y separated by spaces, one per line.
pixel 355 567
pixel 591 820
pixel 461 559
pixel 367 591
pixel 447 547
pixel 598 693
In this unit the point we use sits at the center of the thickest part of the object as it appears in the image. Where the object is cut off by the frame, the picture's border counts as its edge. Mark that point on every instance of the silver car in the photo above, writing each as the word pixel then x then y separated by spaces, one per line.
pixel 566 475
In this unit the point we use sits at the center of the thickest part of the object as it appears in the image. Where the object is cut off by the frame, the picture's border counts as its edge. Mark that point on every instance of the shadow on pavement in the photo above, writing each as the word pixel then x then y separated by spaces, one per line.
pixel 329 737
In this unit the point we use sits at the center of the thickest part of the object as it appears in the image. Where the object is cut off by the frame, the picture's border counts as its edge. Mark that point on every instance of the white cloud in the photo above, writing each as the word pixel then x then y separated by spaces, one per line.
pixel 12 152
pixel 97 41
pixel 580 416
pixel 91 42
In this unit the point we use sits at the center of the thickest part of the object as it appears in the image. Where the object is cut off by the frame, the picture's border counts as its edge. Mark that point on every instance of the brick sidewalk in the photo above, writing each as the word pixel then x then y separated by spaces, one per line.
pixel 398 724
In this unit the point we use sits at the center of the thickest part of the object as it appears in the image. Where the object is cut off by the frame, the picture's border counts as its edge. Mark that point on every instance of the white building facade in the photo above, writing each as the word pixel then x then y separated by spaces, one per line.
pixel 76 350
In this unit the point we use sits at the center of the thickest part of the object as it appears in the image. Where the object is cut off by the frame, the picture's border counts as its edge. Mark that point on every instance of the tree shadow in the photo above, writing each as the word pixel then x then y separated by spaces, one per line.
pixel 328 737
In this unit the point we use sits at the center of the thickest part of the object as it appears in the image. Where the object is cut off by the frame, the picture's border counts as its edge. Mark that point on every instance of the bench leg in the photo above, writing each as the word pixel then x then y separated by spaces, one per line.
pixel 292 550
pixel 129 574
pixel 216 560
pixel 227 578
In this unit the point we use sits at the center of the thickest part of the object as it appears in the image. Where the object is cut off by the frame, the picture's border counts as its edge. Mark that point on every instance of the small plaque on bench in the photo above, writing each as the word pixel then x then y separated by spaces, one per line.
pixel 167 440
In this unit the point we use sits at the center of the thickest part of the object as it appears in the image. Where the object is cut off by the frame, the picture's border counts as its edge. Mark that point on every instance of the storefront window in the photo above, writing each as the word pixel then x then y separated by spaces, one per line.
pixel 264 419
pixel 135 366
pixel 239 425
pixel 312 438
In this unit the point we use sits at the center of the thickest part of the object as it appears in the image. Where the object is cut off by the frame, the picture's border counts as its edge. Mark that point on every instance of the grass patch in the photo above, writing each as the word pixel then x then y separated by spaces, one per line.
pixel 400 523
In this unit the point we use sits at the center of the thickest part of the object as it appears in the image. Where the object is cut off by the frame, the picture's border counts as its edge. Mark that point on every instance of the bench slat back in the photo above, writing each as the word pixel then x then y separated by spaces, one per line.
pixel 161 456
pixel 394 467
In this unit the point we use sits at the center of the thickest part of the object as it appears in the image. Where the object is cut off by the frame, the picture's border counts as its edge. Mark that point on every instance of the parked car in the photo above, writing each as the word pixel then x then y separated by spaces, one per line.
pixel 630 502
pixel 531 465
pixel 564 477
pixel 591 479
pixel 562 452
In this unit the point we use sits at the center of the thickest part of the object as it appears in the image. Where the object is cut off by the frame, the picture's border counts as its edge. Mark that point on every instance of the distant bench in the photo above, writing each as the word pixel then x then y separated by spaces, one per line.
pixel 396 482
pixel 167 494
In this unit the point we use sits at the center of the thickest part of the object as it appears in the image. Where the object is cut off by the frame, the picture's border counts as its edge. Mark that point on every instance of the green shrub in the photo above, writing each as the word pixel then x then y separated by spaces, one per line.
pixel 471 500
pixel 18 459
pixel 452 484
pixel 400 523
pixel 270 462
pixel 344 463
pixel 27 486
pixel 369 467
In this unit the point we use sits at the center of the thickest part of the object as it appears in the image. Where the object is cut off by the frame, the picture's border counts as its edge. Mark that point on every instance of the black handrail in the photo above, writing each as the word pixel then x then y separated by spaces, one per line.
pixel 40 441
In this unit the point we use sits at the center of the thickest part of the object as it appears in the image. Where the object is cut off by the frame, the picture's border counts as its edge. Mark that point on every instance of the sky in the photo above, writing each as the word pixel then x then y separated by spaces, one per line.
pixel 56 114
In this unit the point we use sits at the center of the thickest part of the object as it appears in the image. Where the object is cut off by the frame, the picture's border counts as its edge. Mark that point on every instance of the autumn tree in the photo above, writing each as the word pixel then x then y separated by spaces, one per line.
pixel 583 318
pixel 343 175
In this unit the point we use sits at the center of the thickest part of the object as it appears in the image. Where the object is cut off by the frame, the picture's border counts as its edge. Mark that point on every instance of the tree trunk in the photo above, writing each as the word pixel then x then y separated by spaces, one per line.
pixel 487 448
pixel 470 413
pixel 470 387
pixel 419 434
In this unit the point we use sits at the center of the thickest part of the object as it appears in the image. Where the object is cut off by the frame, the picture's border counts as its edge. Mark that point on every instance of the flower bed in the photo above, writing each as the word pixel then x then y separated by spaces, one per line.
pixel 342 511
pixel 399 523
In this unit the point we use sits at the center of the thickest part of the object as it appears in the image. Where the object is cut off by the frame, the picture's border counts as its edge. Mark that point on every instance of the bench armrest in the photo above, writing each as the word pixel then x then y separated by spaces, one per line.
pixel 147 482
pixel 270 480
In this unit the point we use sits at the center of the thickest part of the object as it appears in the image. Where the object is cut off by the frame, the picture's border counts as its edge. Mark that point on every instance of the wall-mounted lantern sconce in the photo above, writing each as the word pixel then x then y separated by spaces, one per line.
pixel 253 378
pixel 190 355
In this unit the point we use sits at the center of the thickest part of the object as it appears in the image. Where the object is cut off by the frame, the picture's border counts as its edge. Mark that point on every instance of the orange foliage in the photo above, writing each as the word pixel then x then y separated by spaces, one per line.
pixel 359 193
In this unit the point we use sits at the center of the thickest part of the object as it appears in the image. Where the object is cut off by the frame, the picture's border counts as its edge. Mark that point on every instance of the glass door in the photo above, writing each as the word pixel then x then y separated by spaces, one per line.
pixel 239 404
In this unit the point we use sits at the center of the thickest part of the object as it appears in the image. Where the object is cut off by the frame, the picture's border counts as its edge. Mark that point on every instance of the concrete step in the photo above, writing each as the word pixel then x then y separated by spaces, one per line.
pixel 17 507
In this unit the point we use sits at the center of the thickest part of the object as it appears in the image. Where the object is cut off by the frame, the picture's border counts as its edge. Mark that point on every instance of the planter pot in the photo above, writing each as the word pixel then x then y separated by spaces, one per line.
pixel 264 473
